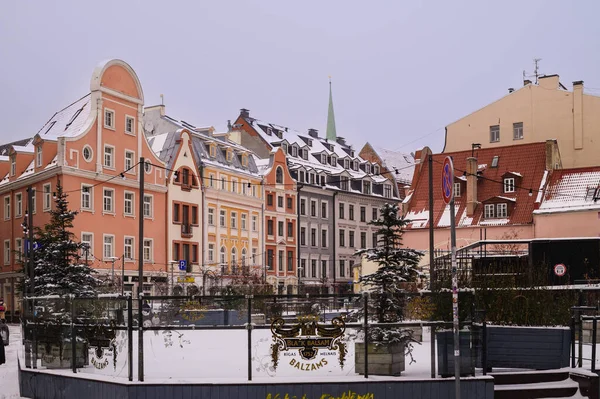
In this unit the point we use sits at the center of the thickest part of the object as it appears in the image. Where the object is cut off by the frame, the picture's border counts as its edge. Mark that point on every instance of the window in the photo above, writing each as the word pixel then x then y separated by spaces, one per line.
pixel 6 208
pixel 254 251
pixel 108 195
pixel 86 197
pixel 270 199
pixel 128 249
pixel 109 161
pixel 109 246
pixel 324 159
pixel 234 187
pixel 18 205
pixel 302 270
pixel 244 258
pixel 87 153
pixel 213 151
pixel 254 223
pixel 211 252
pixel 518 131
pixel 270 227
pixel 301 178
pixel 324 238
pixel 344 184
pixel 38 155
pixel 324 210
pixel 341 211
pixel 351 239
pixel 501 210
pixel 18 249
pixel 489 211
pixel 290 261
pixel 457 189
pixel 367 168
pixel 147 167
pixel 302 235
pixel 304 153
pixel 280 261
pixel 323 268
pixel 128 206
pixel 129 125
pixel 211 180
pixel 7 252
pixel 363 240
pixel 176 253
pixel 366 187
pixel 148 209
pixel 233 256
pixel 375 214
pixel 129 156
pixel 244 221
pixel 13 164
pixel 147 250
pixel 290 229
pixel 509 185
pixel 194 215
pixel 374 240
pixel 313 237
pixel 302 206
pixel 346 164
pixel 376 169
pixel 342 238
pixel 363 214
pixel 280 229
pixel 494 133
pixel 294 151
pixel 279 175
pixel 333 160
pixel 234 220
pixel 313 208
pixel 387 191
pixel 87 239
pixel 270 256
pixel 313 267
pixel 223 183
pixel 47 204
pixel 109 118
pixel 351 212
pixel 280 201
pixel 495 161
pixel 355 165
pixel 342 268
pixel 289 203
pixel 211 216
pixel 223 256
pixel 33 201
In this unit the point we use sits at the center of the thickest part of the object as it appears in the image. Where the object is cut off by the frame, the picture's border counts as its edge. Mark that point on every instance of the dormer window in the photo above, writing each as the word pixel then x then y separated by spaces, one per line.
pixel 344 183
pixel 324 159
pixel 323 180
pixel 213 151
pixel 244 160
pixel 333 160
pixel 346 164
pixel 294 151
pixel 366 187
pixel 269 131
pixel 305 154
pixel 355 165
pixel 367 168
pixel 284 146
pixel 457 189
pixel 496 211
pixel 13 164
pixel 509 185
pixel 387 191
pixel 592 194
pixel 229 155
pixel 376 169
pixel 38 156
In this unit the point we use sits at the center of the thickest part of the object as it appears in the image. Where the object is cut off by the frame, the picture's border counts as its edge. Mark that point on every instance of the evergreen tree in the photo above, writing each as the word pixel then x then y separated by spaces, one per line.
pixel 397 266
pixel 58 265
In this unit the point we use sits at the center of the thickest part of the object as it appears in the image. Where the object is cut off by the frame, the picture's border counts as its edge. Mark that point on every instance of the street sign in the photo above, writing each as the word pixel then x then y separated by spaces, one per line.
pixel 186 279
pixel 448 180
pixel 560 269
pixel 183 264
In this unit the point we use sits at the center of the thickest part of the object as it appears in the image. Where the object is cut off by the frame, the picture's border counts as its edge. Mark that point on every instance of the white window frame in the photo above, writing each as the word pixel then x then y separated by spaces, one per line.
pixel 376 169
pixel 18 205
pixel 6 252
pixel 89 194
pixel 387 191
pixel 39 155
pixel 211 180
pixel 90 242
pixel 366 187
pixel 244 221
pixel 509 184
pixel 223 183
pixel 355 165
pixel 489 211
pixel 333 160
pixel 148 210
pixel 111 124
pixel 211 252
pixel 33 201
pixel 147 167
pixel 324 159
pixel 130 258
pixel 90 150
pixel 346 164
pixel 111 153
pixel 111 197
pixel 502 210
pixel 222 218
pixel 234 186
pixel 18 249
pixel 518 131
pixel 47 201
pixel 233 216
pixel 105 256
pixel 368 168
pixel 129 162
pixel 6 203
pixel 148 246
pixel 211 216
pixel 131 210
pixel 294 151
pixel 456 188
pixel 254 223
pixel 127 119
pixel 13 164
pixel 223 255
pixel 494 133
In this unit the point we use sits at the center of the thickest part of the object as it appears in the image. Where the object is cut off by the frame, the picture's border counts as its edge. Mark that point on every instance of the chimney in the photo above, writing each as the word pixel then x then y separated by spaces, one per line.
pixel 552 156
pixel 471 186
pixel 526 82
pixel 314 133
pixel 549 82
pixel 341 140
pixel 510 90
pixel 245 113
pixel 578 115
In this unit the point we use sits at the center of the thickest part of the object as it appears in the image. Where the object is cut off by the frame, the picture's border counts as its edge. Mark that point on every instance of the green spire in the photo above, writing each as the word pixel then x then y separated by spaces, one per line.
pixel 331 134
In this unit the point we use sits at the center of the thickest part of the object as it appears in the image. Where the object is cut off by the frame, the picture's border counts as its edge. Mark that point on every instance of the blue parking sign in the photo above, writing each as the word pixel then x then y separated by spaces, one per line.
pixel 183 264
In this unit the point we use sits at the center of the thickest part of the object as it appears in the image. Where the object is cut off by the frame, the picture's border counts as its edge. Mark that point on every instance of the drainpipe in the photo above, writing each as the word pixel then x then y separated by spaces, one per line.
pixel 262 232
pixel 205 230
pixel 298 188
pixel 335 193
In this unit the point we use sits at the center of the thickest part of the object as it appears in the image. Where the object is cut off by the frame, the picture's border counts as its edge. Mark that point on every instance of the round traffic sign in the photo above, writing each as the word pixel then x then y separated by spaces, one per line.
pixel 560 269
pixel 448 180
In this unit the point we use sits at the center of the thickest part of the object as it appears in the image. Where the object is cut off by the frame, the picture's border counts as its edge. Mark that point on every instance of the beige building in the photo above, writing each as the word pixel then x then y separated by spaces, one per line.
pixel 535 113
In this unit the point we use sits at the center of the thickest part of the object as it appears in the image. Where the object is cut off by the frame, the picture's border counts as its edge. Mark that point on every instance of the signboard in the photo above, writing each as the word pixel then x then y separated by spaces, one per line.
pixel 186 279
pixel 183 264
pixel 560 269
pixel 448 180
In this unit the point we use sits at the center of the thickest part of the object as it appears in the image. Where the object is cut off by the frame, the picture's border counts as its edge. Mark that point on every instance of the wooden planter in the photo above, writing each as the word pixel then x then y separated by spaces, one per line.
pixel 384 359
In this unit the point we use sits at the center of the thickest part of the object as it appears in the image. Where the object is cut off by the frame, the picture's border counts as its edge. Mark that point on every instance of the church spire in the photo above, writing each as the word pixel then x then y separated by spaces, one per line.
pixel 331 134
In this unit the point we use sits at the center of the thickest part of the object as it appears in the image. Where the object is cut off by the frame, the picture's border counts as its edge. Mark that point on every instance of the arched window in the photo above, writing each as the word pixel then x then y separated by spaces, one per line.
pixel 223 257
pixel 233 256
pixel 279 175
pixel 243 256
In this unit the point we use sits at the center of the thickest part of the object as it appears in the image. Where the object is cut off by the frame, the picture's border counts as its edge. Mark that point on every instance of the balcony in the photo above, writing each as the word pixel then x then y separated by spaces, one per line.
pixel 187 230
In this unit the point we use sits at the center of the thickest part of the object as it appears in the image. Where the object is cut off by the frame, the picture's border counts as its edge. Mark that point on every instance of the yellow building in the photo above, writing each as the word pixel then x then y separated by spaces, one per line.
pixel 535 113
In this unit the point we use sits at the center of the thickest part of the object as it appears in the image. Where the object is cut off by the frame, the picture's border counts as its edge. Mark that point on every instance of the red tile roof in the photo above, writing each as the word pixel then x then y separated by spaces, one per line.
pixel 527 160
pixel 567 190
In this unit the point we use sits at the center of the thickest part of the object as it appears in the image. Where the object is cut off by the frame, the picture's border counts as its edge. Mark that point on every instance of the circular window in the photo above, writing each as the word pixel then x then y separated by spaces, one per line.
pixel 148 167
pixel 87 153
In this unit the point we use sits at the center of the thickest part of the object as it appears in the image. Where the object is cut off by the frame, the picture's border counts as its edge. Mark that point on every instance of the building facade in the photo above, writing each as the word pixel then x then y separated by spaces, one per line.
pixel 535 113
pixel 393 163
pixel 93 147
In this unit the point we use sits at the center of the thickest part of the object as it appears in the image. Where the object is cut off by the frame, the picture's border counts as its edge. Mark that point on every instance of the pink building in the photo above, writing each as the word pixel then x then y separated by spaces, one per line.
pixel 92 146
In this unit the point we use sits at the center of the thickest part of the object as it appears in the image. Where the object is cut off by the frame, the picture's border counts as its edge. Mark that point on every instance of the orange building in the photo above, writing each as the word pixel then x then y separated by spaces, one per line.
pixel 93 146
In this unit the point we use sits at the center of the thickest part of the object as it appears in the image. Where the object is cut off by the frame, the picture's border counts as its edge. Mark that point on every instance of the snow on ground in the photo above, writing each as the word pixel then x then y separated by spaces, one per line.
pixel 9 382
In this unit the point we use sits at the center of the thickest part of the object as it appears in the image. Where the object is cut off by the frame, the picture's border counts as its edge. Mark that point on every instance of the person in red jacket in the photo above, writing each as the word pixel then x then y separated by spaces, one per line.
pixel 2 309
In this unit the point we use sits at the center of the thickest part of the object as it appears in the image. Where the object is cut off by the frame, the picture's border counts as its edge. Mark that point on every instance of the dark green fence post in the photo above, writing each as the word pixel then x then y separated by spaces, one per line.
pixel 249 327
pixel 73 337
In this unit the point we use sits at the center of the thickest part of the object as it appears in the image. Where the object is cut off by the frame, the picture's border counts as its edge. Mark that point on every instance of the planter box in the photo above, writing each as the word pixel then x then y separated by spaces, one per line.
pixel 52 358
pixel 539 348
pixel 383 359
pixel 445 353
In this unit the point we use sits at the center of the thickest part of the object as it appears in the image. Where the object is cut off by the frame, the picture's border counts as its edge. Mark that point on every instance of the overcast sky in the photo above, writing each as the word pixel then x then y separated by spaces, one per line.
pixel 401 70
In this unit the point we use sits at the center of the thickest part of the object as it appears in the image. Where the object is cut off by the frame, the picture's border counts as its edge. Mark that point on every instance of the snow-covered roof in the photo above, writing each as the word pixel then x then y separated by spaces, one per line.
pixel 395 160
pixel 572 190
pixel 69 121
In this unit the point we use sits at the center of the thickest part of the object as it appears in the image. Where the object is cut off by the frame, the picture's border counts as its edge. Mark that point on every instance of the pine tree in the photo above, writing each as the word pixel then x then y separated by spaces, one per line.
pixel 397 265
pixel 58 266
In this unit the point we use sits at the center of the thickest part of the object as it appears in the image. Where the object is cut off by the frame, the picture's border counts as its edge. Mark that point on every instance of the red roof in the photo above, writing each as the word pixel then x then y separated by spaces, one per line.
pixel 527 163
pixel 568 190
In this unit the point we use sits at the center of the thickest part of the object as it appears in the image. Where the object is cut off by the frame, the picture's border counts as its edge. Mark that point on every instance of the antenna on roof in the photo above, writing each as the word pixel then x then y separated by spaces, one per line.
pixel 536 62
pixel 162 99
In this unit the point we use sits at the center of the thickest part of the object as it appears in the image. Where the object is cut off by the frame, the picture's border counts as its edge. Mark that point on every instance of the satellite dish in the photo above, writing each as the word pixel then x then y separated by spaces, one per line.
pixel 149 126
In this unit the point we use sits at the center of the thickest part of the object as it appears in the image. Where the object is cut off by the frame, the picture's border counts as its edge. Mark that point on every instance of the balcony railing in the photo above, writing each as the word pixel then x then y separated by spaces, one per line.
pixel 186 230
